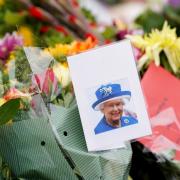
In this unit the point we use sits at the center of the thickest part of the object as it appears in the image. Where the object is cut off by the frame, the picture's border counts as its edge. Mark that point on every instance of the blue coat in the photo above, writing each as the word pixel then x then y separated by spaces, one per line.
pixel 103 126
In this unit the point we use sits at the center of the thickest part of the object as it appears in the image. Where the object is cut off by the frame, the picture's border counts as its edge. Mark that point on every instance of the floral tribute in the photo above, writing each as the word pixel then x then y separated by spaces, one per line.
pixel 63 28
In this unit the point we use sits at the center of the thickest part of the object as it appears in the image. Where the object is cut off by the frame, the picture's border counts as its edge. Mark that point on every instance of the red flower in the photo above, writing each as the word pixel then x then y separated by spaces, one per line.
pixel 107 41
pixel 72 19
pixel 87 35
pixel 61 29
pixel 44 29
pixel 36 12
pixel 93 24
pixel 75 3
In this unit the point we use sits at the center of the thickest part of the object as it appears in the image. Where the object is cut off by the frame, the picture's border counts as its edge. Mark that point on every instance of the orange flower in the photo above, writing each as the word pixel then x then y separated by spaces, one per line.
pixel 14 93
pixel 74 48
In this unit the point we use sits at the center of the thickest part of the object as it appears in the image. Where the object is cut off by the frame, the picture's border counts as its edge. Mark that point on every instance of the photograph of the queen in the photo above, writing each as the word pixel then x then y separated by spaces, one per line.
pixel 110 102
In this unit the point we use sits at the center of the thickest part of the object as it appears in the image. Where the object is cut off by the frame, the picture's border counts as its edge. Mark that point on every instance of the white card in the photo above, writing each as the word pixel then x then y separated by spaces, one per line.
pixel 109 96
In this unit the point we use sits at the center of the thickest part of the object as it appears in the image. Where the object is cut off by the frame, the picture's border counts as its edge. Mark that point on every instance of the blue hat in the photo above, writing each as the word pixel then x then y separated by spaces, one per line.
pixel 110 92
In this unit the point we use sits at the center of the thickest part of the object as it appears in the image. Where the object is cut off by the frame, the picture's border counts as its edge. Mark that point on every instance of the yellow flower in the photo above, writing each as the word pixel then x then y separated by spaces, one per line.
pixel 60 49
pixel 157 41
pixel 2 101
pixel 61 71
pixel 1 2
pixel 11 56
pixel 27 35
pixel 70 49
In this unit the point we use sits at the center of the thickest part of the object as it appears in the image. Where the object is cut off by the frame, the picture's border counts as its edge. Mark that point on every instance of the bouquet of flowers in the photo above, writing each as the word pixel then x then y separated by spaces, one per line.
pixel 32 79
pixel 63 28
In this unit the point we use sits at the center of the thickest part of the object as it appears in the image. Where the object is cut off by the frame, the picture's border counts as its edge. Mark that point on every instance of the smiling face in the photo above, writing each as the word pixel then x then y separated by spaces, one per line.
pixel 112 111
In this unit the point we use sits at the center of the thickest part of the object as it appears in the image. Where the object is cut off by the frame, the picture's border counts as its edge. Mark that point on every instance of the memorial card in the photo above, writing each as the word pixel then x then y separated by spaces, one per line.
pixel 109 96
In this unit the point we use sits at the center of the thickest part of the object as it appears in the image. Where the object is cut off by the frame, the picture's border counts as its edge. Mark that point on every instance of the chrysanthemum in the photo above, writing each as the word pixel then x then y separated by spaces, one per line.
pixel 157 41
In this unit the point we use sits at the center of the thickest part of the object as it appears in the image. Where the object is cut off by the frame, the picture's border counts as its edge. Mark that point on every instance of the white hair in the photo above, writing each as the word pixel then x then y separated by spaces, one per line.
pixel 101 106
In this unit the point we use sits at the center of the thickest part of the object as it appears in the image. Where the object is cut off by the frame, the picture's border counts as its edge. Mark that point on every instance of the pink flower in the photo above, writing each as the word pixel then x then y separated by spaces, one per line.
pixel 47 83
pixel 174 3
pixel 122 33
pixel 137 53
pixel 8 44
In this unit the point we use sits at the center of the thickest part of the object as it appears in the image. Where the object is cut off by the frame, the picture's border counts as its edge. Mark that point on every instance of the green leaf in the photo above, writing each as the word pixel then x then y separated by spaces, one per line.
pixel 22 67
pixel 8 110
pixel 172 14
pixel 68 98
pixel 88 14
pixel 1 163
pixel 13 18
pixel 109 33
pixel 52 37
pixel 150 20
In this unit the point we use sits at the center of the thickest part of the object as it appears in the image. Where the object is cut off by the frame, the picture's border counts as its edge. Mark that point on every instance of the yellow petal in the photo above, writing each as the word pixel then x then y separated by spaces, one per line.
pixel 2 101
pixel 27 35
pixel 137 41
pixel 171 60
pixel 1 2
pixel 156 55
pixel 62 74
pixel 143 60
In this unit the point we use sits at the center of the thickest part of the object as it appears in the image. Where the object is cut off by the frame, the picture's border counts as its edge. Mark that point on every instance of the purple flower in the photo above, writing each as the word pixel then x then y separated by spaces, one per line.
pixel 8 44
pixel 122 34
pixel 174 3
